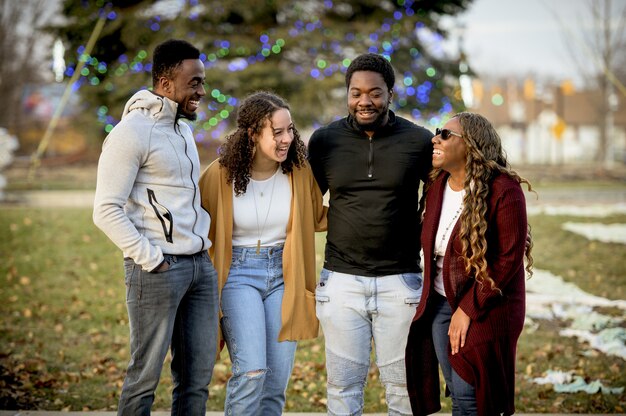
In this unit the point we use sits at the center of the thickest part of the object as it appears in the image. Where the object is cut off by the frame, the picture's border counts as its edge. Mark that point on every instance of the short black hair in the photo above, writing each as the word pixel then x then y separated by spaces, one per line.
pixel 375 63
pixel 169 55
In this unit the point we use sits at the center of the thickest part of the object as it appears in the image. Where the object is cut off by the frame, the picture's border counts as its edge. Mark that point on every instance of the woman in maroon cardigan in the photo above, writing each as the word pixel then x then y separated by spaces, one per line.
pixel 474 236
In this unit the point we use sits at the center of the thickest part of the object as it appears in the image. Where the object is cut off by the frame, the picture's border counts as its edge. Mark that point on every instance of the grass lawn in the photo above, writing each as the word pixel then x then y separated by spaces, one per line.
pixel 64 332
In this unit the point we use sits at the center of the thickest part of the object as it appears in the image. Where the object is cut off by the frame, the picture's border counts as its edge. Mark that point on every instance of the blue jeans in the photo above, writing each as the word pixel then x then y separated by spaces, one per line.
pixel 177 308
pixel 462 393
pixel 353 310
pixel 251 307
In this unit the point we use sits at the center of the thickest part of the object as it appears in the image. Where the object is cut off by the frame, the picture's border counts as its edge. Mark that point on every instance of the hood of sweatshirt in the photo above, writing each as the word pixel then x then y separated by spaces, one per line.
pixel 157 107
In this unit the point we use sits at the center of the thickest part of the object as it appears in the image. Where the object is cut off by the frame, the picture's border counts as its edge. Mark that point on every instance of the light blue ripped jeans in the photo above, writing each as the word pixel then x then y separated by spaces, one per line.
pixel 251 304
pixel 353 310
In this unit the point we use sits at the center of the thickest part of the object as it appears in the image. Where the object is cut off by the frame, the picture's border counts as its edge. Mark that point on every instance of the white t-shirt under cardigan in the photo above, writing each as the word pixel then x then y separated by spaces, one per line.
pixel 262 212
pixel 450 213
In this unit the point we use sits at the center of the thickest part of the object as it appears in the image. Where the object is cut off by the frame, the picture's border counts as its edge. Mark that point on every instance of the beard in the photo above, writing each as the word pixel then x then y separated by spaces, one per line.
pixel 182 111
pixel 376 123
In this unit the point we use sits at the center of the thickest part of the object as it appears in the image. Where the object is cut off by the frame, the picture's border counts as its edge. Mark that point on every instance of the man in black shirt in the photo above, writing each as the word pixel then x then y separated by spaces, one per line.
pixel 372 162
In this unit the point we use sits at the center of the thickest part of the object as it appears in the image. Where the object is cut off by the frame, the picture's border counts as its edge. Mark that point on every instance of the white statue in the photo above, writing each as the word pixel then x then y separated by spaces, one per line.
pixel 8 144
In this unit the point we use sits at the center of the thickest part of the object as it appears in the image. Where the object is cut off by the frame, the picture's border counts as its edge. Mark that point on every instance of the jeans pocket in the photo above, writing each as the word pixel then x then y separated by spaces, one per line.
pixel 321 290
pixel 169 259
pixel 413 281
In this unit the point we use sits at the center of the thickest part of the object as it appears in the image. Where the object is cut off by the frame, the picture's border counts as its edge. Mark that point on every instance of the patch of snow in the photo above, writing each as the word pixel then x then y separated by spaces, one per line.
pixel 550 297
pixel 606 233
pixel 592 211
pixel 567 382
pixel 547 289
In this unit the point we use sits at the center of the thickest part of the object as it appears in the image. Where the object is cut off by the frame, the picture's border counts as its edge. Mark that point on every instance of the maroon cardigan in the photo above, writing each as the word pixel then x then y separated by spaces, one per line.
pixel 487 361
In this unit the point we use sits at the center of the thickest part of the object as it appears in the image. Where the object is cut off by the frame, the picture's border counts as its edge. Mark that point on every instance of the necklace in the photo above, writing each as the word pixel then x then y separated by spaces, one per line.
pixel 265 181
pixel 256 211
pixel 261 192
pixel 442 248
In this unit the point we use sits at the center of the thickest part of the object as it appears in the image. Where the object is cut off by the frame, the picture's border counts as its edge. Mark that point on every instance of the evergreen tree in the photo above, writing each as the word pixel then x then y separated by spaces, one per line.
pixel 297 48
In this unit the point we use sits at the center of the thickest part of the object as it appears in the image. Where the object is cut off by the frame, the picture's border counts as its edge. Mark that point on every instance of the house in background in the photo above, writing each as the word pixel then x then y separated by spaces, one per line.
pixel 551 124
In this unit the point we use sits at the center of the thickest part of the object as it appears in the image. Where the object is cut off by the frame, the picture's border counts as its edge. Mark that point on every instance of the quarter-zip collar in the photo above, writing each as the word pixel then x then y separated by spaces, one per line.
pixel 380 132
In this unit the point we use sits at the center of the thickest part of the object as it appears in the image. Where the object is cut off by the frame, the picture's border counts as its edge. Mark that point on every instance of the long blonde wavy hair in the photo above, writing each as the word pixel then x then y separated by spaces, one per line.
pixel 485 158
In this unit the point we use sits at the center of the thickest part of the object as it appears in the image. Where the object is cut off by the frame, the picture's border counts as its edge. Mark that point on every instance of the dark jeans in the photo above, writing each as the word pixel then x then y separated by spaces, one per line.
pixel 177 308
pixel 463 394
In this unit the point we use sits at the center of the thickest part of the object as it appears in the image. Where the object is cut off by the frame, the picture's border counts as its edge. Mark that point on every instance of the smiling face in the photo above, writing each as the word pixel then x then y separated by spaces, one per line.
pixel 450 155
pixel 272 143
pixel 369 99
pixel 186 87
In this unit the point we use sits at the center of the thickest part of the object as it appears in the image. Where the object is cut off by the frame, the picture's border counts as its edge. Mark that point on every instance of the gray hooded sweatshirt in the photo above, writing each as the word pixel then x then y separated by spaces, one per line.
pixel 147 199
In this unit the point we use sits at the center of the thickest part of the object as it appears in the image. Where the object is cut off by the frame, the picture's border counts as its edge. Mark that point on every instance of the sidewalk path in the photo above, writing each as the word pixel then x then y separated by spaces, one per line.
pixel 57 199
pixel 557 197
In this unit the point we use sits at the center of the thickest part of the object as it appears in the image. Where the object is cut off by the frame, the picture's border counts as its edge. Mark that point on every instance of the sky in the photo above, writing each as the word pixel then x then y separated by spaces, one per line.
pixel 524 37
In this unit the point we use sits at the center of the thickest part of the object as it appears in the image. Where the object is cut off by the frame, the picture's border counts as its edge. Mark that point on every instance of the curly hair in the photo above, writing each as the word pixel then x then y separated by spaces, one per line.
pixel 374 63
pixel 237 152
pixel 485 158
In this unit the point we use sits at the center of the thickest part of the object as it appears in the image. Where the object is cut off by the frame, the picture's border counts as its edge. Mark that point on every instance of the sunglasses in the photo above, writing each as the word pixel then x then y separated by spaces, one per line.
pixel 445 134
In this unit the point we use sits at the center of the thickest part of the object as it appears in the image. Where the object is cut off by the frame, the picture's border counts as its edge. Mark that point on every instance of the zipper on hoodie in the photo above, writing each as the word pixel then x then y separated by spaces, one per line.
pixel 195 189
pixel 370 159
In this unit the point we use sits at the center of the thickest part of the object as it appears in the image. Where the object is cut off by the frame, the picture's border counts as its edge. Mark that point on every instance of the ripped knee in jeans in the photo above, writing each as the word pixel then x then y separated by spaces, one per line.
pixel 255 373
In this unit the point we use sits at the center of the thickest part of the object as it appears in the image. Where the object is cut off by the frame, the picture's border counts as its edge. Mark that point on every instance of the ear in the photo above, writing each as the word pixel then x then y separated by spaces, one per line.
pixel 164 86
pixel 390 95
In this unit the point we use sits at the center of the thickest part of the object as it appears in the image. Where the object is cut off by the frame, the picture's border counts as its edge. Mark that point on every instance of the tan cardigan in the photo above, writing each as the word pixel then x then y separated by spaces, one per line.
pixel 307 216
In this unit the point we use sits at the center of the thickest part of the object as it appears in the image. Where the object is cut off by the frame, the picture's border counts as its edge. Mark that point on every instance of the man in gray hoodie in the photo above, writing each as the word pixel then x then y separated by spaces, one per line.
pixel 148 203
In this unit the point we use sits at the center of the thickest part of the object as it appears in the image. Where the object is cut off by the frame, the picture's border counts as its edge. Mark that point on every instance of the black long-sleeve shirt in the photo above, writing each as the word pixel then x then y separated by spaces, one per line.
pixel 374 183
